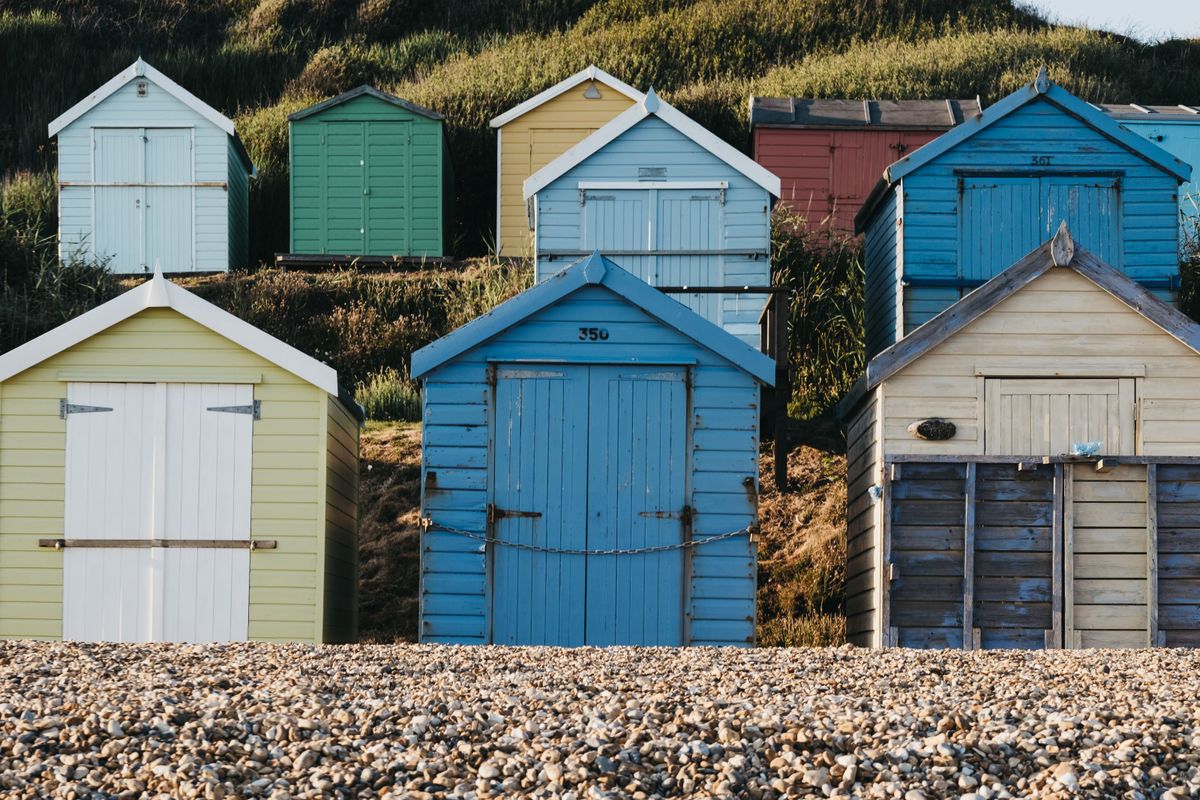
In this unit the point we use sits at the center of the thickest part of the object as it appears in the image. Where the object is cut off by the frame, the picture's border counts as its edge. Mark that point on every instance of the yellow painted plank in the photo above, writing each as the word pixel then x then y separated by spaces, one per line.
pixel 1111 639
pixel 1111 515
pixel 1109 566
pixel 1120 592
pixel 1110 491
pixel 1110 617
pixel 1110 540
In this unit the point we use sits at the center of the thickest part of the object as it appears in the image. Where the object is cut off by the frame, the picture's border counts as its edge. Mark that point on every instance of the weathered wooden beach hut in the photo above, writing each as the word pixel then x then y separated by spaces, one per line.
pixel 1024 469
pixel 590 470
pixel 829 154
pixel 952 214
pixel 532 134
pixel 150 176
pixel 1175 129
pixel 169 472
pixel 370 176
pixel 675 204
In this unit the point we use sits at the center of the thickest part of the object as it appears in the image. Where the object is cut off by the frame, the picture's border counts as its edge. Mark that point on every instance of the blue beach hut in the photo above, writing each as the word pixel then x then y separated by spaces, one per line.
pixel 672 202
pixel 590 470
pixel 151 176
pixel 954 213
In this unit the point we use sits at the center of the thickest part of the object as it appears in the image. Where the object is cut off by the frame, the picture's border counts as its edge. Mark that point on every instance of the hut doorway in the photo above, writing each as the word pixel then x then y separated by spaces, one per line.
pixel 157 512
pixel 1025 416
pixel 589 457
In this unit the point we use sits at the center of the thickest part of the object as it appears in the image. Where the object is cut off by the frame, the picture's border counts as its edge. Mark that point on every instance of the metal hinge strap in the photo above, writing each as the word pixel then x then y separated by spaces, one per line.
pixel 65 408
pixel 253 409
pixel 494 513
pixel 142 544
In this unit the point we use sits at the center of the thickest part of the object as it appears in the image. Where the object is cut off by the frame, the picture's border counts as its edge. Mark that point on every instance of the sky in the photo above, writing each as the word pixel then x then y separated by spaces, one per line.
pixel 1147 20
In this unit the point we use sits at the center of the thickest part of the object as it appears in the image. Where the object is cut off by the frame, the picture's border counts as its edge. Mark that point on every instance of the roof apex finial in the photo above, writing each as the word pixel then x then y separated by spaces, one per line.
pixel 158 288
pixel 651 102
pixel 1062 246
pixel 1042 84
pixel 595 268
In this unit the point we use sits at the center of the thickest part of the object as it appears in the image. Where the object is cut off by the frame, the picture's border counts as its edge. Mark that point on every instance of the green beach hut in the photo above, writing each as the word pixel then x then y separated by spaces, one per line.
pixel 370 176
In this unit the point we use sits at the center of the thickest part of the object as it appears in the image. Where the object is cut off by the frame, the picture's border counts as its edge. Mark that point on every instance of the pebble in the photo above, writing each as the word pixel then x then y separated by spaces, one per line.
pixel 293 721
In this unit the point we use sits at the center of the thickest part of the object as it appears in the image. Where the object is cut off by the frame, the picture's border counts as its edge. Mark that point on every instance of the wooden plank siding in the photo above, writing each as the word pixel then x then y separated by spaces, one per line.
pixel 1019 144
pixel 862 526
pixel 339 620
pixel 882 251
pixel 456 463
pixel 288 461
pixel 744 215
pixel 211 159
pixel 239 210
pixel 1178 548
pixel 533 140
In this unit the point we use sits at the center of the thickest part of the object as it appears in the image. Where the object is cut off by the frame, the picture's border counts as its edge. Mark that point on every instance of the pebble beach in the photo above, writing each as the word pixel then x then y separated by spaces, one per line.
pixel 293 721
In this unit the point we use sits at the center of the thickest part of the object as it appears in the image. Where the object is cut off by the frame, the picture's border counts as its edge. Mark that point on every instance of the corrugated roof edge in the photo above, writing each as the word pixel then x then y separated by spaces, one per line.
pixel 942 109
pixel 359 92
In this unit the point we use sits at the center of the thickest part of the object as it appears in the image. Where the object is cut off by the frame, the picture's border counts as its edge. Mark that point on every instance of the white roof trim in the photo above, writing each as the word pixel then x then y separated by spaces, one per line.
pixel 158 292
pixel 652 105
pixel 592 73
pixel 137 69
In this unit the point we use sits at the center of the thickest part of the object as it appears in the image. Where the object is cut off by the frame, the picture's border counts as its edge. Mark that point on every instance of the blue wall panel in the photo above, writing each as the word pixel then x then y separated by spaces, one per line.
pixel 634 419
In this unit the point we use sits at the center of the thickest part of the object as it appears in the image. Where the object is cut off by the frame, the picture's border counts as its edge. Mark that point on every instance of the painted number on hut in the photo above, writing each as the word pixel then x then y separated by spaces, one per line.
pixel 1040 161
pixel 593 334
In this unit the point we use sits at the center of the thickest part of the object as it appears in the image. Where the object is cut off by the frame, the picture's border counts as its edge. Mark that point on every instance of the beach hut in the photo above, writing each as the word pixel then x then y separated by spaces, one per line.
pixel 952 214
pixel 1175 129
pixel 590 470
pixel 370 176
pixel 169 472
pixel 1024 469
pixel 830 153
pixel 676 205
pixel 150 176
pixel 532 134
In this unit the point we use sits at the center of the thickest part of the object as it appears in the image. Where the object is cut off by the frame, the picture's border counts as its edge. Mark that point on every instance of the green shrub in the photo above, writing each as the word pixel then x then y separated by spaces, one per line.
pixel 390 395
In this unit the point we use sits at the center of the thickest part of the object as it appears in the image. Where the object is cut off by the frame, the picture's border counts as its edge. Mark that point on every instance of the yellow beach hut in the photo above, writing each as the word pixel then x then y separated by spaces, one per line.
pixel 531 135
pixel 169 472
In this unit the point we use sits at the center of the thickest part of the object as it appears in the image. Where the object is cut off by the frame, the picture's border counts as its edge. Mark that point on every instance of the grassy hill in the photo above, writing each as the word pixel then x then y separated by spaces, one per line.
pixel 259 60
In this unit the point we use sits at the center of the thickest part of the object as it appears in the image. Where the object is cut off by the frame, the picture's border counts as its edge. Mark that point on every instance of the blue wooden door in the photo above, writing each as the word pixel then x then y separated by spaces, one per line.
pixel 589 458
pixel 637 497
pixel 168 202
pixel 117 198
pixel 1000 220
pixel 690 221
pixel 540 450
pixel 345 185
pixel 618 223
pixel 1090 207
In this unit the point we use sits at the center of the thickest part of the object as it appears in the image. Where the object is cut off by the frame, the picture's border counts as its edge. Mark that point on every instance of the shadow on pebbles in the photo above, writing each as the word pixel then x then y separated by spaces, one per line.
pixel 284 721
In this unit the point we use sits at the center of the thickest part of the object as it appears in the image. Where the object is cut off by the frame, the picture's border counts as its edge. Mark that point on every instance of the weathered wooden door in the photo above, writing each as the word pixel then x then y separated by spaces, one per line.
pixel 157 480
pixel 1090 207
pixel 344 186
pixel 619 223
pixel 588 458
pixel 1046 416
pixel 539 498
pixel 689 221
pixel 169 199
pixel 117 198
pixel 389 187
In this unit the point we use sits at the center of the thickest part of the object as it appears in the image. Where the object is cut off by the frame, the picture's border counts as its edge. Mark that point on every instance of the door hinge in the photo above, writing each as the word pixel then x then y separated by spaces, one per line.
pixel 65 408
pixel 494 513
pixel 252 409
pixel 722 195
pixel 583 197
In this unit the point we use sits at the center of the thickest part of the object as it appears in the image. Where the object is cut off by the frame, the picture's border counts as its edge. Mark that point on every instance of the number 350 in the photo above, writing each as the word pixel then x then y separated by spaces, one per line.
pixel 593 334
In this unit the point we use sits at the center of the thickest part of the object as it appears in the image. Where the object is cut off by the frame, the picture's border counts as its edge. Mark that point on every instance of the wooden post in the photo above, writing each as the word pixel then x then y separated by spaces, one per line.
pixel 968 618
pixel 783 385
pixel 1152 553
pixel 887 634
pixel 1056 562
pixel 1068 557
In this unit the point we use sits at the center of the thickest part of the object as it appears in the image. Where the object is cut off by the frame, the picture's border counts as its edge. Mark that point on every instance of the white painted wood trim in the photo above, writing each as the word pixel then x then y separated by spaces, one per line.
pixel 154 375
pixel 158 292
pixel 499 189
pixel 1017 368
pixel 140 69
pixel 634 185
pixel 591 73
pixel 652 105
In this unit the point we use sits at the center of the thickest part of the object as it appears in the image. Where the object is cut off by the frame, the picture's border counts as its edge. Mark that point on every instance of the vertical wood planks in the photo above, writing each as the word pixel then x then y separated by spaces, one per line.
pixel 1056 561
pixel 1152 553
pixel 969 636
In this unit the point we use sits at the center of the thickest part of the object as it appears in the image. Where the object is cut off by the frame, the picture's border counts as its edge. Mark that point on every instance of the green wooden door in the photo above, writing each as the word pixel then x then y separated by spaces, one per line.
pixel 344 198
pixel 389 188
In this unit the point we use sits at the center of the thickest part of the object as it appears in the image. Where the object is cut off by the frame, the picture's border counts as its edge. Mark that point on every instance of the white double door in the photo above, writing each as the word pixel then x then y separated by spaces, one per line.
pixel 157 514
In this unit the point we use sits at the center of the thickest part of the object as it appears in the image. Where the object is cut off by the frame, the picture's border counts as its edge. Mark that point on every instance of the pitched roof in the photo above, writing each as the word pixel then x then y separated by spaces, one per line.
pixel 1060 252
pixel 595 270
pixel 158 292
pixel 802 112
pixel 359 92
pixel 140 69
pixel 591 73
pixel 652 105
pixel 1143 113
pixel 1041 87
